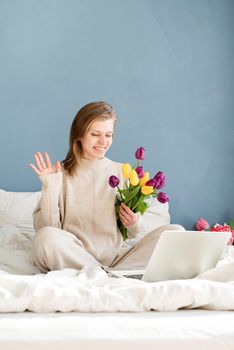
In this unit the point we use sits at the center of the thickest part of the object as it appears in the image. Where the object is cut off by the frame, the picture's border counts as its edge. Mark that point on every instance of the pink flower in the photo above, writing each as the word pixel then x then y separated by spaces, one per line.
pixel 223 228
pixel 140 153
pixel 202 225
pixel 232 238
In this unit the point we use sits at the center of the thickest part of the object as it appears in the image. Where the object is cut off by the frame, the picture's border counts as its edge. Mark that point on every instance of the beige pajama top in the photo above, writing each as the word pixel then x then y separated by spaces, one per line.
pixel 84 204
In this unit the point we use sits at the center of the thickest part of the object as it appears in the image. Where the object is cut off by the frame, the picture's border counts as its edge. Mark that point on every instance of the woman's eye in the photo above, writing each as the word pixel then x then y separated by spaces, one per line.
pixel 94 134
pixel 108 135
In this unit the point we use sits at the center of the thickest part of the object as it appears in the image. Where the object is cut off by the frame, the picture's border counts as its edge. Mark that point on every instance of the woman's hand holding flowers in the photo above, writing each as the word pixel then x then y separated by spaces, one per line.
pixel 127 216
pixel 131 200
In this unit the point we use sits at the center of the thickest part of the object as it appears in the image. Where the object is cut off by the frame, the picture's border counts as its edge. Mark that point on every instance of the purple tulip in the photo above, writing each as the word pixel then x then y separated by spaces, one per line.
pixel 140 171
pixel 151 182
pixel 160 179
pixel 140 153
pixel 162 197
pixel 113 181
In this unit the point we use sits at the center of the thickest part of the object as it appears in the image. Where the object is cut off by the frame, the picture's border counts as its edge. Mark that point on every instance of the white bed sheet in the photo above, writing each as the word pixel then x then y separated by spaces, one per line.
pixel 182 330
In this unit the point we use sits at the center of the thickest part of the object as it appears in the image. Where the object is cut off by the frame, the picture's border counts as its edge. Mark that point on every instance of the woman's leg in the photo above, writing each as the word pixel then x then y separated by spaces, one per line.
pixel 56 249
pixel 139 255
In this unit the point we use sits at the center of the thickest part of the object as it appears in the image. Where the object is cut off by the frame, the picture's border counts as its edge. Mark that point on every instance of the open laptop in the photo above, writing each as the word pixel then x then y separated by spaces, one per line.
pixel 180 255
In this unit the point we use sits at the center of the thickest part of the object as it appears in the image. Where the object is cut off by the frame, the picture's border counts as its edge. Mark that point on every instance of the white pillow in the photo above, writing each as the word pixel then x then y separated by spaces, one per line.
pixel 16 208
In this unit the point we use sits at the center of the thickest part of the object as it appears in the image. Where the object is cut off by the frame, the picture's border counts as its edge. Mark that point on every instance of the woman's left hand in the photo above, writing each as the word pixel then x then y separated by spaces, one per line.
pixel 127 216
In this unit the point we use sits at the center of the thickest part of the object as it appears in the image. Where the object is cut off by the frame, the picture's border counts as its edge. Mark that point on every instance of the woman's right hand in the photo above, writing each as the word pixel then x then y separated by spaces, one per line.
pixel 45 167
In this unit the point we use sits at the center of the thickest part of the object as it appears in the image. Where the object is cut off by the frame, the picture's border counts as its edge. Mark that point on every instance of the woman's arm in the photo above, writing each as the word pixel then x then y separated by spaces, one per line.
pixel 47 212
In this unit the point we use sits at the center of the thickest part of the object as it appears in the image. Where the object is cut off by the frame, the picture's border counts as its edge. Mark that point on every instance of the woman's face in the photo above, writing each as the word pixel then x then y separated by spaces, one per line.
pixel 98 139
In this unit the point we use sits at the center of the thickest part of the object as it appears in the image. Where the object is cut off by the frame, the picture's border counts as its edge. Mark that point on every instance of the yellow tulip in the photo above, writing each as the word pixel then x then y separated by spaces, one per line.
pixel 134 180
pixel 126 170
pixel 147 190
pixel 144 179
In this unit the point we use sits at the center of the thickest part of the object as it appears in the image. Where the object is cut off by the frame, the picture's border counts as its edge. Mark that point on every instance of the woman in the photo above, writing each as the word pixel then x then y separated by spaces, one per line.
pixel 75 220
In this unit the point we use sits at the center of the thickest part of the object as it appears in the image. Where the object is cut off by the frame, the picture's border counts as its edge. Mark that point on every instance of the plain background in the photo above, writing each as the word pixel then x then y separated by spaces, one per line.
pixel 165 65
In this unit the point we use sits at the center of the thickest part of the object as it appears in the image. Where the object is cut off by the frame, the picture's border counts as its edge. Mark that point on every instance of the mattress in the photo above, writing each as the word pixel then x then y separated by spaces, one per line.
pixel 183 330
pixel 183 326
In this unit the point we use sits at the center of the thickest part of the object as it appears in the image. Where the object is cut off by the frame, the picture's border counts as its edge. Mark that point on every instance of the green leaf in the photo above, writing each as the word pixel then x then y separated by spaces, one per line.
pixel 141 208
pixel 125 192
pixel 132 194
pixel 126 185
pixel 123 229
pixel 135 200
pixel 139 201
pixel 231 224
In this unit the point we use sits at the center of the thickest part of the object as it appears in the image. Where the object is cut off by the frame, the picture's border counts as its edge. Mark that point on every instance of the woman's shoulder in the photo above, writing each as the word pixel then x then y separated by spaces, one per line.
pixel 114 164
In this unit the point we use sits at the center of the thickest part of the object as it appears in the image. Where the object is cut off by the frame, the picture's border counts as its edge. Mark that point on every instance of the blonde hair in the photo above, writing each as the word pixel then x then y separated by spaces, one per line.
pixel 80 125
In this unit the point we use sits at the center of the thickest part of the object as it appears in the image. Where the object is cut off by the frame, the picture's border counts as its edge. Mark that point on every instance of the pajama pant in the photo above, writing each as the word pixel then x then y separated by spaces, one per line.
pixel 56 249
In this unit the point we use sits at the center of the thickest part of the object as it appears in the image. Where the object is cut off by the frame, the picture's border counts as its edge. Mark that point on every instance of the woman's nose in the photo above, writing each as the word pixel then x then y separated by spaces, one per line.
pixel 102 140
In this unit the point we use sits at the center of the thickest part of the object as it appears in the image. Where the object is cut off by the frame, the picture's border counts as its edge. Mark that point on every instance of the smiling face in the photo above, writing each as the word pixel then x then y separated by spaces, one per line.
pixel 98 139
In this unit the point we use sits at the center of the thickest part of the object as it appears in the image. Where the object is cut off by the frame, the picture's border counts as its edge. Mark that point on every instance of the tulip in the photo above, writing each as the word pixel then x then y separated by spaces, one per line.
pixel 140 171
pixel 144 179
pixel 162 197
pixel 147 190
pixel 113 181
pixel 151 182
pixel 126 170
pixel 161 180
pixel 202 225
pixel 140 153
pixel 134 180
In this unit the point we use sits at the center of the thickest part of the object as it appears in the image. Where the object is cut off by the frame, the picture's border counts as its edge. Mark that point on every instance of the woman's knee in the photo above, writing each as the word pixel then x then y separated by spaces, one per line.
pixel 156 233
pixel 175 227
pixel 45 237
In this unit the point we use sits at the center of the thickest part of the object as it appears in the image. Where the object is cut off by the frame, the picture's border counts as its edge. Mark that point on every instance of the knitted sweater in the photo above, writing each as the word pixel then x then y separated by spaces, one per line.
pixel 84 204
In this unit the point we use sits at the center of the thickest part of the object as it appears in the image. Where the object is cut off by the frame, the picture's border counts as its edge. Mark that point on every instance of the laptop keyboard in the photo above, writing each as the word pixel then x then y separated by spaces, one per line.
pixel 138 277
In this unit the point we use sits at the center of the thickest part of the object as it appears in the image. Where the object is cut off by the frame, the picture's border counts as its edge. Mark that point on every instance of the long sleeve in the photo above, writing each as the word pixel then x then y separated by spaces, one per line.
pixel 155 216
pixel 47 212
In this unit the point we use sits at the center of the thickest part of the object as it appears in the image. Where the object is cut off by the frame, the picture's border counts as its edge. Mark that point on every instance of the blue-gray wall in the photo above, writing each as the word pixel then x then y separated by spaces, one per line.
pixel 166 66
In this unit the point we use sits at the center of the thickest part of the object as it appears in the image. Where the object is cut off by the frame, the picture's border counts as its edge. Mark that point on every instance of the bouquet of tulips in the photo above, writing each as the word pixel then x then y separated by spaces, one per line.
pixel 137 188
pixel 203 225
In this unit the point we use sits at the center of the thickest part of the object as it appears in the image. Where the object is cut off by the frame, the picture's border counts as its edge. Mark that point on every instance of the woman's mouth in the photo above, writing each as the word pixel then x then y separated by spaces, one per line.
pixel 100 148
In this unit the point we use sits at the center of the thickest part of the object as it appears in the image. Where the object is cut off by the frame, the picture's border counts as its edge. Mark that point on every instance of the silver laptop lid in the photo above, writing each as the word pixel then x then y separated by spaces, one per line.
pixel 185 254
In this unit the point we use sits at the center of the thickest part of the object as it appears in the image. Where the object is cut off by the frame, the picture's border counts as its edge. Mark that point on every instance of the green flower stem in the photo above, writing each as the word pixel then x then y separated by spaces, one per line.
pixel 120 194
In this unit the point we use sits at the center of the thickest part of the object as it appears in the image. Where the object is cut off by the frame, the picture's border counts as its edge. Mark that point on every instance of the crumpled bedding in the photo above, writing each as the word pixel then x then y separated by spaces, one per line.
pixel 23 288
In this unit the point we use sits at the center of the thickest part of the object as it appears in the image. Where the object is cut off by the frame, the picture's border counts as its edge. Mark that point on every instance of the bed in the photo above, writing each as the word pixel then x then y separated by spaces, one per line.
pixel 88 309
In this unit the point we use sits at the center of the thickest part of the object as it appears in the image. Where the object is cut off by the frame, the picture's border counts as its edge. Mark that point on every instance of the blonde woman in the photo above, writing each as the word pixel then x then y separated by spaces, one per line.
pixel 75 220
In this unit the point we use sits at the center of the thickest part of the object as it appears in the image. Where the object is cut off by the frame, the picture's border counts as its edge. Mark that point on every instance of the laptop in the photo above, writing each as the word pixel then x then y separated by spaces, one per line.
pixel 179 255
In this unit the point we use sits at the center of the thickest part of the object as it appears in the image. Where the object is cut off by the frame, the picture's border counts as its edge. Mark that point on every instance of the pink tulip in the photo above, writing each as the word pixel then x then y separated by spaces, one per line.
pixel 140 153
pixel 202 225
pixel 140 171
pixel 162 197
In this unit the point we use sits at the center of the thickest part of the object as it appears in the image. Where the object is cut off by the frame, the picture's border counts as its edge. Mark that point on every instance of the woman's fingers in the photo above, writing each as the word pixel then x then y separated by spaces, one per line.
pixel 127 216
pixel 35 169
pixel 43 164
pixel 49 165
pixel 126 209
pixel 124 218
pixel 127 212
pixel 57 167
pixel 123 212
pixel 37 159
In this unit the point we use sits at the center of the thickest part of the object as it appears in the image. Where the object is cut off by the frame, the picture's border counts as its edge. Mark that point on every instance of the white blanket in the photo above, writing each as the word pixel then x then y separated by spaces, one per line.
pixel 91 290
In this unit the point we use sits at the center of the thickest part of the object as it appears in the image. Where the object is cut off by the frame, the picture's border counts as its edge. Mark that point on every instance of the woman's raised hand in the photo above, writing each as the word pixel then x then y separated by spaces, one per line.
pixel 45 167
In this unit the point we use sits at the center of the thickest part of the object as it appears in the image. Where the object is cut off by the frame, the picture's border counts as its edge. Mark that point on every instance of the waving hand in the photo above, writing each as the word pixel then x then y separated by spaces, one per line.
pixel 44 166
